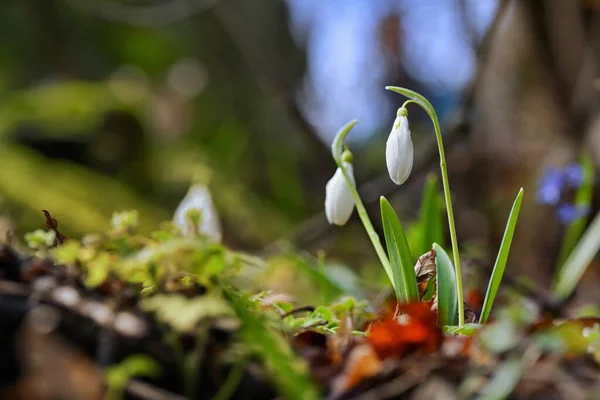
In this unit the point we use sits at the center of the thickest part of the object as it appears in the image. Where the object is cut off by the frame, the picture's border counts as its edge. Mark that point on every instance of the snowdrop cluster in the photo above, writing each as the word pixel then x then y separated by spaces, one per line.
pixel 399 154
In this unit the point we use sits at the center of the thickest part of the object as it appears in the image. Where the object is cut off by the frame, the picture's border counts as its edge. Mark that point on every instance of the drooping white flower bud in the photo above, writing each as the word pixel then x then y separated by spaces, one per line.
pixel 207 222
pixel 339 203
pixel 399 149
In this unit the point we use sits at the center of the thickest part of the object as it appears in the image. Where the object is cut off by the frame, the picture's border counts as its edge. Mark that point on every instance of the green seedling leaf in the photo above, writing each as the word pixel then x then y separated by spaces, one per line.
pixel 578 261
pixel 446 287
pixel 137 365
pixel 583 200
pixel 401 261
pixel 430 220
pixel 501 259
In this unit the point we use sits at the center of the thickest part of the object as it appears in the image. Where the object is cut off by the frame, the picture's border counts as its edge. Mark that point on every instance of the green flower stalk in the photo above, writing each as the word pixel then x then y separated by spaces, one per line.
pixel 418 99
pixel 343 159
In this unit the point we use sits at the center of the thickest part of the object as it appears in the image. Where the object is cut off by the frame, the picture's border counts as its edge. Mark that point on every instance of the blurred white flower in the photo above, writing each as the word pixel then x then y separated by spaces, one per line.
pixel 339 203
pixel 198 198
pixel 399 149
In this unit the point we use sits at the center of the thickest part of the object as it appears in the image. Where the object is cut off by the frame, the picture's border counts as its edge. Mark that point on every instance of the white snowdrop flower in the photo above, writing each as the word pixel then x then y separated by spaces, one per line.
pixel 198 198
pixel 399 152
pixel 339 203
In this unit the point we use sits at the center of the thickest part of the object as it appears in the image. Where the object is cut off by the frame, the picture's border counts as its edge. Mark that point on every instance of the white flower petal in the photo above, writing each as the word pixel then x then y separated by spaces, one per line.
pixel 198 197
pixel 339 203
pixel 399 152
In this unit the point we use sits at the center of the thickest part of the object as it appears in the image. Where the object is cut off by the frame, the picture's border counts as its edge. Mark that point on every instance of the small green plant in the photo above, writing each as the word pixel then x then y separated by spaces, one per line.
pixel 570 189
pixel 117 376
pixel 398 262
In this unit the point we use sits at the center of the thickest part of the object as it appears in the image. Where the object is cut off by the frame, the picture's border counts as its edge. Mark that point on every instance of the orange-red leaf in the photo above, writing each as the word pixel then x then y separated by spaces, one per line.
pixel 415 328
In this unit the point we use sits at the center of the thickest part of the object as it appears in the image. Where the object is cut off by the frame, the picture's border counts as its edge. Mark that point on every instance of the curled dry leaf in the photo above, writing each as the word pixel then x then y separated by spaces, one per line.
pixel 425 270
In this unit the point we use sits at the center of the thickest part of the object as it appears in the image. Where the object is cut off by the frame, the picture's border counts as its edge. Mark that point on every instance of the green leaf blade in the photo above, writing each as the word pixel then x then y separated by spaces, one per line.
pixel 403 272
pixel 501 259
pixel 446 287
pixel 580 258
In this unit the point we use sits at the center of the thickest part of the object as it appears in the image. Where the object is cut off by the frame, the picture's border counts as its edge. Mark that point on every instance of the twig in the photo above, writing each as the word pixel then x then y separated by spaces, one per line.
pixel 298 310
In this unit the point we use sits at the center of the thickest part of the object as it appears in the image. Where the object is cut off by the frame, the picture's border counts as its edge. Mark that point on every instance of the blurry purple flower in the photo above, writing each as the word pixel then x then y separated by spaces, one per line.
pixel 573 175
pixel 568 212
pixel 550 187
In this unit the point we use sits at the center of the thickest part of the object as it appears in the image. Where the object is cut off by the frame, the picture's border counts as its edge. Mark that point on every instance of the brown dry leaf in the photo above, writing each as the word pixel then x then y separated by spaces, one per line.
pixel 470 316
pixel 362 363
pixel 425 270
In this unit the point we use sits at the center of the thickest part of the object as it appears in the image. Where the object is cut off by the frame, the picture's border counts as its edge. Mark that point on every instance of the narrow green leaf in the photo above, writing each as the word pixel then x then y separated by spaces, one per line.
pixel 401 261
pixel 503 381
pixel 430 220
pixel 578 260
pixel 583 199
pixel 446 287
pixel 501 259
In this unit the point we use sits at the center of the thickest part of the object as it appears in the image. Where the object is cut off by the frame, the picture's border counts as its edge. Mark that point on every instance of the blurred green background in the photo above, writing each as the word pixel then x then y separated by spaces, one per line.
pixel 108 105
